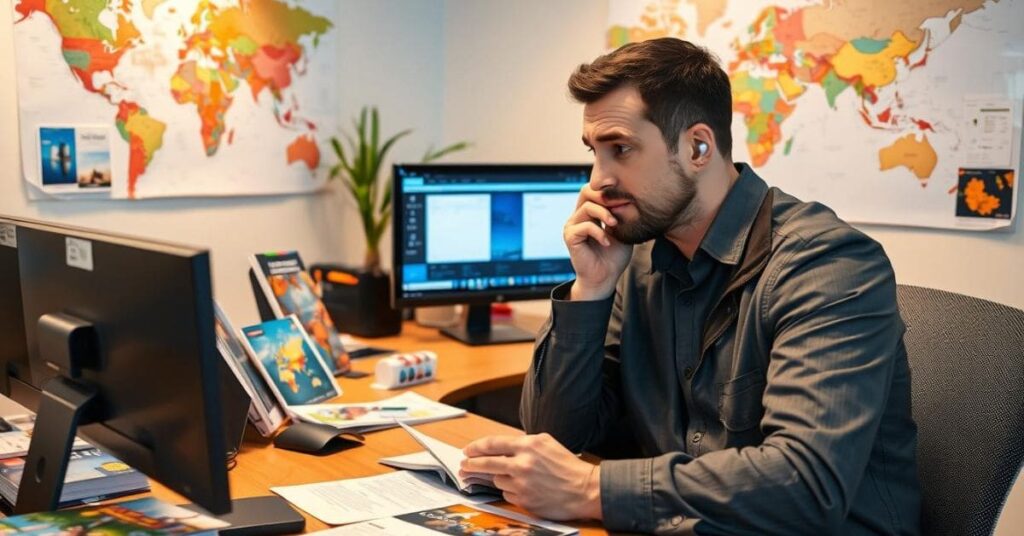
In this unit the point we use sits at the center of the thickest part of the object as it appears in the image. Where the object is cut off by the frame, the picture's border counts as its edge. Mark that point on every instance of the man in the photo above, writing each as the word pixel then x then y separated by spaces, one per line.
pixel 746 346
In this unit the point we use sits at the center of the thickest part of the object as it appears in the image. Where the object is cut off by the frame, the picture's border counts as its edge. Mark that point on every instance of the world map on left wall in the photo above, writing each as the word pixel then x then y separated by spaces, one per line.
pixel 229 97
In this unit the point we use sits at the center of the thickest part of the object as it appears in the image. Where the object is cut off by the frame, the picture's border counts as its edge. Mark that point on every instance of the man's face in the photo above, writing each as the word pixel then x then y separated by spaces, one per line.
pixel 641 181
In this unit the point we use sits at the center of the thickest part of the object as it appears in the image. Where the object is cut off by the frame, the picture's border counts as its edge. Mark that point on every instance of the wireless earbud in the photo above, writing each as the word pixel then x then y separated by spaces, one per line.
pixel 702 148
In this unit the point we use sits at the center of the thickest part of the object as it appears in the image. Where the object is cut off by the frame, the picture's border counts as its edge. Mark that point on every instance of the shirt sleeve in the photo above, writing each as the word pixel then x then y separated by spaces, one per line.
pixel 571 390
pixel 831 305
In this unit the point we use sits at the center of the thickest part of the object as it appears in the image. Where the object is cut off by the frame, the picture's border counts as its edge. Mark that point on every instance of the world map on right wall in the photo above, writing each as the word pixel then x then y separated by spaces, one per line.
pixel 904 113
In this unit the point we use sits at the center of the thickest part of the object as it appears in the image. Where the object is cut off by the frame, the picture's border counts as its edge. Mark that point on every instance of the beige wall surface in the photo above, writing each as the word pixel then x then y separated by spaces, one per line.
pixel 506 65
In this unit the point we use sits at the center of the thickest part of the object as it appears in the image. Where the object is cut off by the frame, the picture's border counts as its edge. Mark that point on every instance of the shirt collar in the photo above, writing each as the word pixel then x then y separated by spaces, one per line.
pixel 727 235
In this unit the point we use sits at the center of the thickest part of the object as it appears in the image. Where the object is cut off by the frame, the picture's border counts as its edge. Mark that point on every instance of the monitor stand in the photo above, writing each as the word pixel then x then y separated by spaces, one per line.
pixel 69 345
pixel 63 406
pixel 478 329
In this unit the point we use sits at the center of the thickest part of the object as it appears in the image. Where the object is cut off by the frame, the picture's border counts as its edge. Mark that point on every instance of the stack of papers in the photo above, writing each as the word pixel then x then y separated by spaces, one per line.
pixel 91 475
pixel 16 435
pixel 409 408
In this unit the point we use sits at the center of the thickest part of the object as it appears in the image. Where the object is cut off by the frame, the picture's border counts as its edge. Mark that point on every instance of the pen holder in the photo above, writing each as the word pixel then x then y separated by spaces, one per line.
pixel 402 370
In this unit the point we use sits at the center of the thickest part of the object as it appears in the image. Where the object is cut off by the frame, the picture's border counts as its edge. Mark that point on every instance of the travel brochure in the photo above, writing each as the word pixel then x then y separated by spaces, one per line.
pixel 264 412
pixel 409 408
pixel 289 362
pixel 461 519
pixel 140 517
pixel 91 475
pixel 16 435
pixel 289 290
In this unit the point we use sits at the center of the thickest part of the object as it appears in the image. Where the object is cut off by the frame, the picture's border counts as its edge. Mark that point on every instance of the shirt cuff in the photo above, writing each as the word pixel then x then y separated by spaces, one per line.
pixel 626 495
pixel 579 317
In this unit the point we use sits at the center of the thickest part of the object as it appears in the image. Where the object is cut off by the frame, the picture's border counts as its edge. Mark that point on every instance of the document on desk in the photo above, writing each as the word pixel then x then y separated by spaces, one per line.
pixel 360 499
pixel 454 519
pixel 447 458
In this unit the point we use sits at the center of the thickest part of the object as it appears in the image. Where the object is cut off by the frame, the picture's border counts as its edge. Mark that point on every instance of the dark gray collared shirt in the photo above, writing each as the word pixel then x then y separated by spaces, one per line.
pixel 761 387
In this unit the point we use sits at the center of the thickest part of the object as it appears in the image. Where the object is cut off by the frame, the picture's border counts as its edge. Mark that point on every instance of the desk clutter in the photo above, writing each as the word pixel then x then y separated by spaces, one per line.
pixel 428 498
pixel 91 474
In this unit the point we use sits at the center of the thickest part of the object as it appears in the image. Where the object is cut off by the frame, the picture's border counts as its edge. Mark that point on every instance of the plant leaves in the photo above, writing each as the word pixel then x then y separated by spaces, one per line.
pixel 432 155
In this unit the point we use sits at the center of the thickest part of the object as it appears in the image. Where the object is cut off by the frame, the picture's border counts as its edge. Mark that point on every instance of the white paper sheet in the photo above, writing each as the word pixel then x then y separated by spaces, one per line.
pixel 361 499
pixel 988 131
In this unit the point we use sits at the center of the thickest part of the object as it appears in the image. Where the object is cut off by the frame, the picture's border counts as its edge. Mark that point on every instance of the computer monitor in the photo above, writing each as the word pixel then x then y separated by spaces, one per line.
pixel 14 367
pixel 120 338
pixel 481 233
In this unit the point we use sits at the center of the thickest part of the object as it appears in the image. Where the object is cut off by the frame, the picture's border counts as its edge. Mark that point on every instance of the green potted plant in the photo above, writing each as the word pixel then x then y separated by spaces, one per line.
pixel 359 300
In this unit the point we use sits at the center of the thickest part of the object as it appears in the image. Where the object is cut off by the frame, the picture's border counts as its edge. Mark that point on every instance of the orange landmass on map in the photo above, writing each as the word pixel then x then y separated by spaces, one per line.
pixel 978 200
pixel 917 156
pixel 144 134
pixel 304 148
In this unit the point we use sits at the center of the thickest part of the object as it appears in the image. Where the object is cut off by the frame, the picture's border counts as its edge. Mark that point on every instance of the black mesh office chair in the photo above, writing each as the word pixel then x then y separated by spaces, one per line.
pixel 967 364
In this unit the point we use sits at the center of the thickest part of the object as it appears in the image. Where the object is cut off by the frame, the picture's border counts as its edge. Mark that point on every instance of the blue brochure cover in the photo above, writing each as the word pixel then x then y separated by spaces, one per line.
pixel 290 363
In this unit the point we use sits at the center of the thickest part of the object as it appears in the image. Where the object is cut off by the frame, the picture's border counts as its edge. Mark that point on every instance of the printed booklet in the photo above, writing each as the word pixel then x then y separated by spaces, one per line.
pixel 290 363
pixel 16 435
pixel 91 474
pixel 443 460
pixel 289 290
pixel 480 519
pixel 408 408
pixel 264 412
pixel 140 517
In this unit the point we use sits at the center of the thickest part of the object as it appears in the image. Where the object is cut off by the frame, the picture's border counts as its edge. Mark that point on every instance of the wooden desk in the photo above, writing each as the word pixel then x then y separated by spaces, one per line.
pixel 463 371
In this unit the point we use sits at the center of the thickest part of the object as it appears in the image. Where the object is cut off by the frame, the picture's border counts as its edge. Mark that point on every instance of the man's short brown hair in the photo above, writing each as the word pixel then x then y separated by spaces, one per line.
pixel 680 83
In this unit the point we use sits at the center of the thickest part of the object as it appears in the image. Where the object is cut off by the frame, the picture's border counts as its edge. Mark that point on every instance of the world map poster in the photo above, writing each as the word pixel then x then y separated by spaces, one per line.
pixel 159 98
pixel 905 113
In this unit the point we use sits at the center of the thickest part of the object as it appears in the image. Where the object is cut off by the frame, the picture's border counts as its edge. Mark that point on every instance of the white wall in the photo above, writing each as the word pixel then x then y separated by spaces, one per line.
pixel 507 64
pixel 390 55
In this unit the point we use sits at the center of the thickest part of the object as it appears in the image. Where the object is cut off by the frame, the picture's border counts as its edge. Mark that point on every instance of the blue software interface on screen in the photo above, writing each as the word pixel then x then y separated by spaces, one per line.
pixel 466 230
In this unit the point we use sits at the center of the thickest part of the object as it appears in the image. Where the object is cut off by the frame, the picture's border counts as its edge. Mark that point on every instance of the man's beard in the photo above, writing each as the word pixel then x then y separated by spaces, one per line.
pixel 655 220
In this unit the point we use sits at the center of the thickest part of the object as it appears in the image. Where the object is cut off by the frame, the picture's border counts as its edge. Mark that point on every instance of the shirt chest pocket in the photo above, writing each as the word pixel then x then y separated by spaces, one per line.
pixel 739 401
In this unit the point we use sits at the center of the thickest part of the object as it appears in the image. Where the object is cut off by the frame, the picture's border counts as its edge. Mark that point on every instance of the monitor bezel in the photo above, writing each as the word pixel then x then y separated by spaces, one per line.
pixel 469 297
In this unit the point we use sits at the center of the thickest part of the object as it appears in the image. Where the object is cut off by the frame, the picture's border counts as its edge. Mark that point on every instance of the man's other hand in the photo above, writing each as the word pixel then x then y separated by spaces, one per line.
pixel 537 473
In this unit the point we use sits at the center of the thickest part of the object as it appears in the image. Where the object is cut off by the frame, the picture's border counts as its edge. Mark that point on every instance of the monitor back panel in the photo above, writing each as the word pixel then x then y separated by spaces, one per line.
pixel 13 348
pixel 158 377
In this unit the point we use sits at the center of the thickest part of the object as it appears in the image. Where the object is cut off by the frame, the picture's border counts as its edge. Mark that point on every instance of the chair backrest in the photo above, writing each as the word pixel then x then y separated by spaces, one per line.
pixel 967 363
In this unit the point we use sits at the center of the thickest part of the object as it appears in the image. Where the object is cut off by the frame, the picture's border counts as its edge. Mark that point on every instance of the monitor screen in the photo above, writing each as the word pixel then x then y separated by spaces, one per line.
pixel 481 233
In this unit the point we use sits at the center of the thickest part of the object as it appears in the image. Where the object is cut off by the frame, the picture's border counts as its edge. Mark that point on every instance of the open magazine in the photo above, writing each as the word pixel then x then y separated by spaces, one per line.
pixel 288 289
pixel 455 519
pixel 442 459
pixel 409 408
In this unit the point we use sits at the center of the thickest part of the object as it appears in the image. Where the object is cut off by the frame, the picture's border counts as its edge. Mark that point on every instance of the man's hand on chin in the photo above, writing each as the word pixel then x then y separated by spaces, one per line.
pixel 537 473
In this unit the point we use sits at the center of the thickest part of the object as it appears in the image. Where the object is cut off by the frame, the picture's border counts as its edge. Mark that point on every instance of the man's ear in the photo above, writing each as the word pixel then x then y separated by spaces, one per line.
pixel 701 141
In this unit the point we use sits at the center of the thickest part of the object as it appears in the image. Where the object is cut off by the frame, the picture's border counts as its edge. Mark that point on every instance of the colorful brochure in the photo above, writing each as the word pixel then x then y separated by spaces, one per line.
pixel 289 290
pixel 290 363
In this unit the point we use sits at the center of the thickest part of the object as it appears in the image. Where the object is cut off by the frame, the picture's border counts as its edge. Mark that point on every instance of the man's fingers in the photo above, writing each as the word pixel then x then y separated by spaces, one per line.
pixel 491 446
pixel 587 194
pixel 590 211
pixel 505 483
pixel 490 465
pixel 579 233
